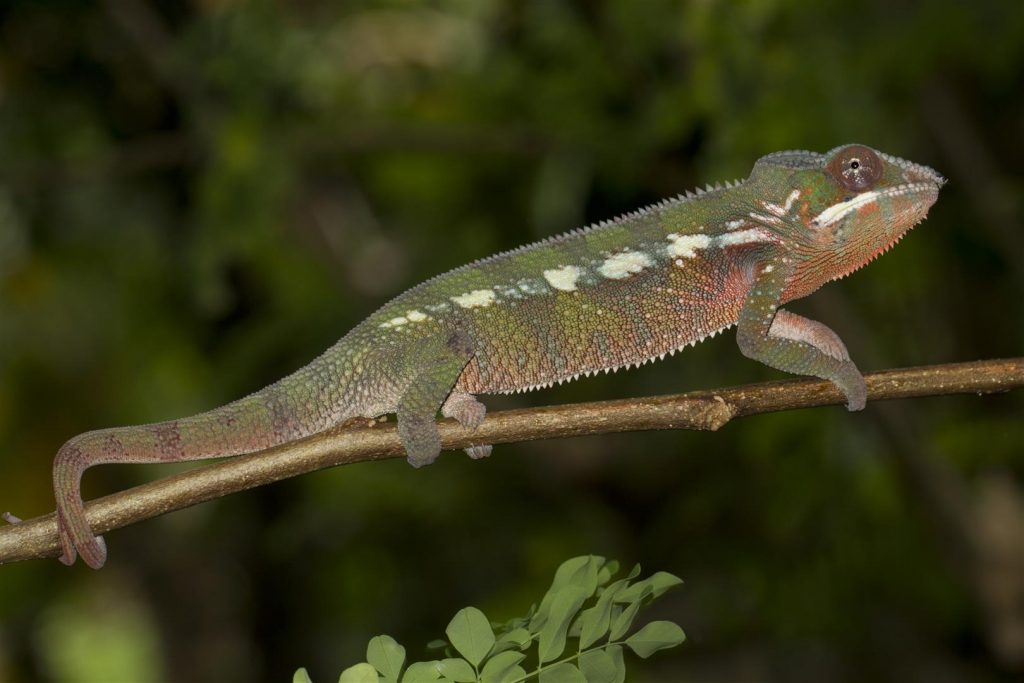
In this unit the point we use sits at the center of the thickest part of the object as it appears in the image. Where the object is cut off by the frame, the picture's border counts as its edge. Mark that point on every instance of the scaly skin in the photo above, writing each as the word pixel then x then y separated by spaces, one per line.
pixel 616 294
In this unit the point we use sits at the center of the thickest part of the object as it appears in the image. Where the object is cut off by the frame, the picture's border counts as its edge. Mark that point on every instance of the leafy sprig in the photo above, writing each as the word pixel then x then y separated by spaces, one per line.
pixel 583 605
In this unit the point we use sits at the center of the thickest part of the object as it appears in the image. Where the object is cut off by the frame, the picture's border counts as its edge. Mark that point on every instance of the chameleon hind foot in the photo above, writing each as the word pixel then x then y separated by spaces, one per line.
pixel 468 412
pixel 478 452
pixel 465 408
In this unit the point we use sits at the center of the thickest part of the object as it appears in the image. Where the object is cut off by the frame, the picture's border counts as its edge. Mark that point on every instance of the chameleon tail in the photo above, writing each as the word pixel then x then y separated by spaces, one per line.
pixel 293 408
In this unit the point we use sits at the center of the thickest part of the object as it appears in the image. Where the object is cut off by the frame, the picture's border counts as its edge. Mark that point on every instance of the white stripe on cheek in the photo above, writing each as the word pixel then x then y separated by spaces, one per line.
pixel 838 211
pixel 793 196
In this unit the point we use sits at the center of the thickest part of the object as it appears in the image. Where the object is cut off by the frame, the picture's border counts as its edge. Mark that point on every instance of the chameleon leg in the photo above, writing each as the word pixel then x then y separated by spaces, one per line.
pixel 418 406
pixel 792 343
pixel 798 328
pixel 469 412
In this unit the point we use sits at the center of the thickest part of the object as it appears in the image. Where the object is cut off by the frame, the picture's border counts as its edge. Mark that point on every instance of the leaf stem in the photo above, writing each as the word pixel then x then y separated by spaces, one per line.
pixel 579 653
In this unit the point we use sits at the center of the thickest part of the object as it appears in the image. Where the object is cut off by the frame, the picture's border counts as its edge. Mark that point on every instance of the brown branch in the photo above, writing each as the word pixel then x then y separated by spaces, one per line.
pixel 710 410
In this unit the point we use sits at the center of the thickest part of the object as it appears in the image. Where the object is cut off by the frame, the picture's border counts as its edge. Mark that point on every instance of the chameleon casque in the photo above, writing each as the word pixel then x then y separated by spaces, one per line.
pixel 619 293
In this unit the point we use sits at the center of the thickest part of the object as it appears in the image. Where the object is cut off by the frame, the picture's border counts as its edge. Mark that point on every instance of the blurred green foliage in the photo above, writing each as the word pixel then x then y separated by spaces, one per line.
pixel 197 198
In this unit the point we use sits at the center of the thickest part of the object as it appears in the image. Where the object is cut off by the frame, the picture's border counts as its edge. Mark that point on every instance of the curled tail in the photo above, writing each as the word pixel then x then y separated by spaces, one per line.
pixel 295 407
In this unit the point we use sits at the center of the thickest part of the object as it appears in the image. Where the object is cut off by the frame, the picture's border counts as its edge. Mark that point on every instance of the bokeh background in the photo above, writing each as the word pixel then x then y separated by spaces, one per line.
pixel 198 197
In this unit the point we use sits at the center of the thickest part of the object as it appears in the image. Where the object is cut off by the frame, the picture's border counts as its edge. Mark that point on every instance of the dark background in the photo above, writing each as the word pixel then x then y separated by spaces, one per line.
pixel 197 198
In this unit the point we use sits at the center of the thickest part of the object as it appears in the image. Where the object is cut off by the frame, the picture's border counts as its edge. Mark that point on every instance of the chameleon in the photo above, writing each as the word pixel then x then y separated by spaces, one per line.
pixel 612 295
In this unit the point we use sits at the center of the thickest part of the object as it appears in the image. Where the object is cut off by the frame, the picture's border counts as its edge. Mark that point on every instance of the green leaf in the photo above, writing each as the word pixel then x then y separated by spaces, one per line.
pixel 518 638
pixel 579 572
pixel 360 673
pixel 497 668
pixel 562 673
pixel 387 656
pixel 301 676
pixel 607 572
pixel 657 635
pixel 622 622
pixel 515 624
pixel 421 672
pixel 564 606
pixel 516 673
pixel 595 620
pixel 576 627
pixel 458 670
pixel 615 652
pixel 598 666
pixel 634 572
pixel 470 633
pixel 656 583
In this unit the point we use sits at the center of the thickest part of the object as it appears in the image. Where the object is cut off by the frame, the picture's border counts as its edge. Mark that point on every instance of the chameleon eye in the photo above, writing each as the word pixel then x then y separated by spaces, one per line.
pixel 856 168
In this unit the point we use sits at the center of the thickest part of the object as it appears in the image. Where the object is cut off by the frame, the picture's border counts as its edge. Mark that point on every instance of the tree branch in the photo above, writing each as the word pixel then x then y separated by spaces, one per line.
pixel 709 410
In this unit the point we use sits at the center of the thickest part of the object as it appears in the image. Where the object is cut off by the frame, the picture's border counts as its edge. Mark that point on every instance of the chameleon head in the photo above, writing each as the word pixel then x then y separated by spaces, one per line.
pixel 852 203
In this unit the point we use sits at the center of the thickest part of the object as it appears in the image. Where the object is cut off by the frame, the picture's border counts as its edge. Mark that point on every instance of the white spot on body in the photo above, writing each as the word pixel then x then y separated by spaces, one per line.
pixel 511 293
pixel 838 211
pixel 622 265
pixel 416 316
pixel 793 196
pixel 478 298
pixel 749 236
pixel 732 225
pixel 769 268
pixel 564 278
pixel 774 208
pixel 687 245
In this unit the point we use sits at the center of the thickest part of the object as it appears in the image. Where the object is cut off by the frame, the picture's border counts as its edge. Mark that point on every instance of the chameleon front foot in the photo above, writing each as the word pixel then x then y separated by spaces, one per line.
pixel 421 440
pixel 849 381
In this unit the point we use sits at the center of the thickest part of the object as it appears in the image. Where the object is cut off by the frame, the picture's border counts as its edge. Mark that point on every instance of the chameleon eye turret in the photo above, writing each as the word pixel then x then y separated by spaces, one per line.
pixel 856 167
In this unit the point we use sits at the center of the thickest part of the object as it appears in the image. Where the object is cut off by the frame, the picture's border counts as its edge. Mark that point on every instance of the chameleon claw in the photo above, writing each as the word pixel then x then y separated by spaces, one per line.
pixel 478 452
pixel 9 518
